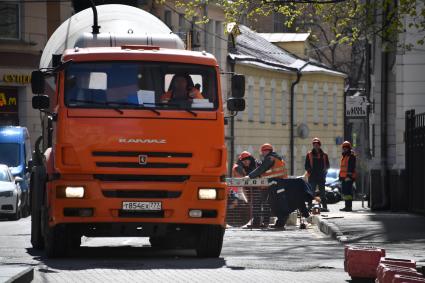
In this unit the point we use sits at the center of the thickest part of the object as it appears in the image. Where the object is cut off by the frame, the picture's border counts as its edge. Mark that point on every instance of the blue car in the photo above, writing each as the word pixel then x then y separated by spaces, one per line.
pixel 15 152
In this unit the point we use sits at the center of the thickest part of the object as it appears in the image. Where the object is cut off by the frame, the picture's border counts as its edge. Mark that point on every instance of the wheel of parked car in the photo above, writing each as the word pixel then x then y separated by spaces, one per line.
pixel 17 214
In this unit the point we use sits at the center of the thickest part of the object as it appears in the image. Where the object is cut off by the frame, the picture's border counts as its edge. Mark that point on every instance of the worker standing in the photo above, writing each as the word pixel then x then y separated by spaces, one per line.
pixel 246 164
pixel 274 168
pixel 347 175
pixel 317 166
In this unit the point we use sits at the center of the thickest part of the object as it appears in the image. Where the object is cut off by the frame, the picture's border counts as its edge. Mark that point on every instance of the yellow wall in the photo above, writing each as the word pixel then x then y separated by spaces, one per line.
pixel 251 134
pixel 296 47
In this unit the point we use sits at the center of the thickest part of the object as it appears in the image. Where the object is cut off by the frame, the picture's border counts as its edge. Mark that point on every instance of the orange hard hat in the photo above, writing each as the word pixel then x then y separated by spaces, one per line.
pixel 316 140
pixel 244 155
pixel 346 144
pixel 266 146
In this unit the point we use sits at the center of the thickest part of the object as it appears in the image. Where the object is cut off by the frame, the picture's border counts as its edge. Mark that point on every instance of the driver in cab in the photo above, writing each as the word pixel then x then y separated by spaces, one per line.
pixel 181 88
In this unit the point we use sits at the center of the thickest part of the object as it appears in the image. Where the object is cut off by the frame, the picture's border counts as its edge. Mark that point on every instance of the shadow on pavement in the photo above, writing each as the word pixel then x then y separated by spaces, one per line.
pixel 127 258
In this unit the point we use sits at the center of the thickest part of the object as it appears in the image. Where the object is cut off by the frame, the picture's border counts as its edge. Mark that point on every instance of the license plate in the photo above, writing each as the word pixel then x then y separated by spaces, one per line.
pixel 142 205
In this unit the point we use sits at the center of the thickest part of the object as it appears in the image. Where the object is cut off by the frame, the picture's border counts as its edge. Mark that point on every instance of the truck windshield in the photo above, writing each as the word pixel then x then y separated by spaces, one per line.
pixel 141 85
pixel 9 154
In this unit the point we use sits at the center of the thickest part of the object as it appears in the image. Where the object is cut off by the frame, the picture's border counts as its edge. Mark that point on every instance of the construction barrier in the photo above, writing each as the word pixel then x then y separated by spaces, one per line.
pixel 362 262
pixel 389 272
pixel 407 279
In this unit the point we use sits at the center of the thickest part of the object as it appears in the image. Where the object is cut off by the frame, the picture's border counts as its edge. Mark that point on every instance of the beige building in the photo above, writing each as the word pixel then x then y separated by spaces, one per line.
pixel 24 30
pixel 319 98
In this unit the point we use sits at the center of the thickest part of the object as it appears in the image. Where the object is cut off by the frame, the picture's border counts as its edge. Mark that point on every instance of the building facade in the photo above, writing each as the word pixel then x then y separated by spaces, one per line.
pixel 24 30
pixel 318 107
pixel 397 85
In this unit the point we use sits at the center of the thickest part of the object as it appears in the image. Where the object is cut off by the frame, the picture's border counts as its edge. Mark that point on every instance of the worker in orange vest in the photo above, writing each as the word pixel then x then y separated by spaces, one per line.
pixel 272 167
pixel 246 164
pixel 317 165
pixel 347 175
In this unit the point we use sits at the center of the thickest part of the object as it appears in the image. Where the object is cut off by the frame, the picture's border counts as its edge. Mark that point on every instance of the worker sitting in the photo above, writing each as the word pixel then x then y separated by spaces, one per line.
pixel 181 89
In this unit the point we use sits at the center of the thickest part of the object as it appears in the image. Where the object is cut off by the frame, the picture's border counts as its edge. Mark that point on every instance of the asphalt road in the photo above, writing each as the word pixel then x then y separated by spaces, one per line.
pixel 248 256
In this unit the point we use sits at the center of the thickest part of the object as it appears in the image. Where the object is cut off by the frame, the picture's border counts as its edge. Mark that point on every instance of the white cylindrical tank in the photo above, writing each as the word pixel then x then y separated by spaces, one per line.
pixel 120 21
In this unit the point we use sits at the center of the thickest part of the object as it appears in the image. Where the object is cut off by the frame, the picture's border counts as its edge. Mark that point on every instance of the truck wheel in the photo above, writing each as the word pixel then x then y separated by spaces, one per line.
pixel 56 242
pixel 36 198
pixel 210 241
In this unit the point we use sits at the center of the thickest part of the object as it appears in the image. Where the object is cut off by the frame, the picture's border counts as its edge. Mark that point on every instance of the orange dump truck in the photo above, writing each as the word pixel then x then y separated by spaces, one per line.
pixel 133 141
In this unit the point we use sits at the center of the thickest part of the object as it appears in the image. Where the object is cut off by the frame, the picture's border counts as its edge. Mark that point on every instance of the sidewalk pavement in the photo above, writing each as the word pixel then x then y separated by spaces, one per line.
pixel 402 234
pixel 16 274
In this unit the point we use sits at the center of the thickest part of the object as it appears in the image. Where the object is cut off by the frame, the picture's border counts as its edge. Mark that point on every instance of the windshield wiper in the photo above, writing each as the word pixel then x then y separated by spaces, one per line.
pixel 137 106
pixel 179 108
pixel 98 103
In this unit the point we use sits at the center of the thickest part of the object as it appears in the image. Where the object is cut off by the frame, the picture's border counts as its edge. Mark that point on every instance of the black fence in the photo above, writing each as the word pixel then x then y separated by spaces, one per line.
pixel 415 160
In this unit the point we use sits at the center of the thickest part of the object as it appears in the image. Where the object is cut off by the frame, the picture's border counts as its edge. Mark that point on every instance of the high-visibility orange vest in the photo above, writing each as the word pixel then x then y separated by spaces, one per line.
pixel 343 169
pixel 310 158
pixel 193 93
pixel 277 171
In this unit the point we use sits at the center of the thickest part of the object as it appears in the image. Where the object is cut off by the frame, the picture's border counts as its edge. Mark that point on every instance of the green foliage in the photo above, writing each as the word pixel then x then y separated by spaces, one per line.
pixel 348 21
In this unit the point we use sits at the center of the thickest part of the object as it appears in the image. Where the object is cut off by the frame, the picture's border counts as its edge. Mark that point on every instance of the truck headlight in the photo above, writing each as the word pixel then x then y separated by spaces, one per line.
pixel 70 192
pixel 207 193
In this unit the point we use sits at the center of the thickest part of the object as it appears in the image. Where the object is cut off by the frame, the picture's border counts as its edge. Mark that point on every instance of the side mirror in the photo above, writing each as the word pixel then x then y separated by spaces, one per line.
pixel 37 82
pixel 238 86
pixel 18 179
pixel 236 104
pixel 41 102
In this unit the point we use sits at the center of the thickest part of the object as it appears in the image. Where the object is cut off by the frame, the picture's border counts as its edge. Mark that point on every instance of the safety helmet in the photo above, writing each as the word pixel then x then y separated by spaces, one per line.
pixel 266 146
pixel 244 155
pixel 346 144
pixel 316 140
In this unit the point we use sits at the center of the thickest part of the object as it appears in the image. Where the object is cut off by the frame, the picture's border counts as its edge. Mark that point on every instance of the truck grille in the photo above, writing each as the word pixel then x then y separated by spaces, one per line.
pixel 141 178
pixel 144 214
pixel 140 194
pixel 148 159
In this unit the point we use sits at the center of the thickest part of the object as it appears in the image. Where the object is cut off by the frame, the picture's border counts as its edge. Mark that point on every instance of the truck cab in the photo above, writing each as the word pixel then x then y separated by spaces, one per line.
pixel 135 146
pixel 15 152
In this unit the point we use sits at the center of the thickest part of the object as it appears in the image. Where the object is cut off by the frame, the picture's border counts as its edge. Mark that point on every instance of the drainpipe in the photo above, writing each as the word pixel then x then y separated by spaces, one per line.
pixel 294 83
pixel 232 130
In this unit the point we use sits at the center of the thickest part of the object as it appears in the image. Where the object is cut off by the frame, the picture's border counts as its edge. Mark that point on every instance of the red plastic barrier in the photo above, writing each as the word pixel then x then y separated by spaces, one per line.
pixel 407 279
pixel 385 267
pixel 399 262
pixel 362 262
pixel 390 272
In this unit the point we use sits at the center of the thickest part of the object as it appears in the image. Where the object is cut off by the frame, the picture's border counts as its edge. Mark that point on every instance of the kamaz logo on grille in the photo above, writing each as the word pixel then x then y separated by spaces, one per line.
pixel 141 141
pixel 143 159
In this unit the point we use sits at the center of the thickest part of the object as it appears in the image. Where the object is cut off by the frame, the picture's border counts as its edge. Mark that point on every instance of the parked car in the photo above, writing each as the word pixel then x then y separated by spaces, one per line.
pixel 15 152
pixel 10 194
pixel 333 186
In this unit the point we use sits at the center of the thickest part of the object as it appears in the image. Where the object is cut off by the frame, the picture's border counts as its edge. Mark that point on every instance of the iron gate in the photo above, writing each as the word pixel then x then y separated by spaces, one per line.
pixel 415 160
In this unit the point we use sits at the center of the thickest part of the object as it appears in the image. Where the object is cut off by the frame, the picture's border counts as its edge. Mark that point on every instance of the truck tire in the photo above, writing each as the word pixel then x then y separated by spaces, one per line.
pixel 56 242
pixel 37 186
pixel 210 241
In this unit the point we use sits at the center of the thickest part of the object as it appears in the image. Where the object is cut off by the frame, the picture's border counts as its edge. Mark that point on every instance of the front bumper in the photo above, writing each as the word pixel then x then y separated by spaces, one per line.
pixel 105 200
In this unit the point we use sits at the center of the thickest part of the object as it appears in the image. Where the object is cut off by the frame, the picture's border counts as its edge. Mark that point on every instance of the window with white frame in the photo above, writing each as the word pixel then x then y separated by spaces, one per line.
pixel 325 103
pixel 305 91
pixel 335 113
pixel 273 101
pixel 262 98
pixel 182 23
pixel 284 102
pixel 10 20
pixel 168 19
pixel 218 40
pixel 250 99
pixel 316 103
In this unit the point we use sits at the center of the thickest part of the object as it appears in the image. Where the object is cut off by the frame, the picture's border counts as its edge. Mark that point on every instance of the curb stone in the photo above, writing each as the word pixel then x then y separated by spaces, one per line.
pixel 24 276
